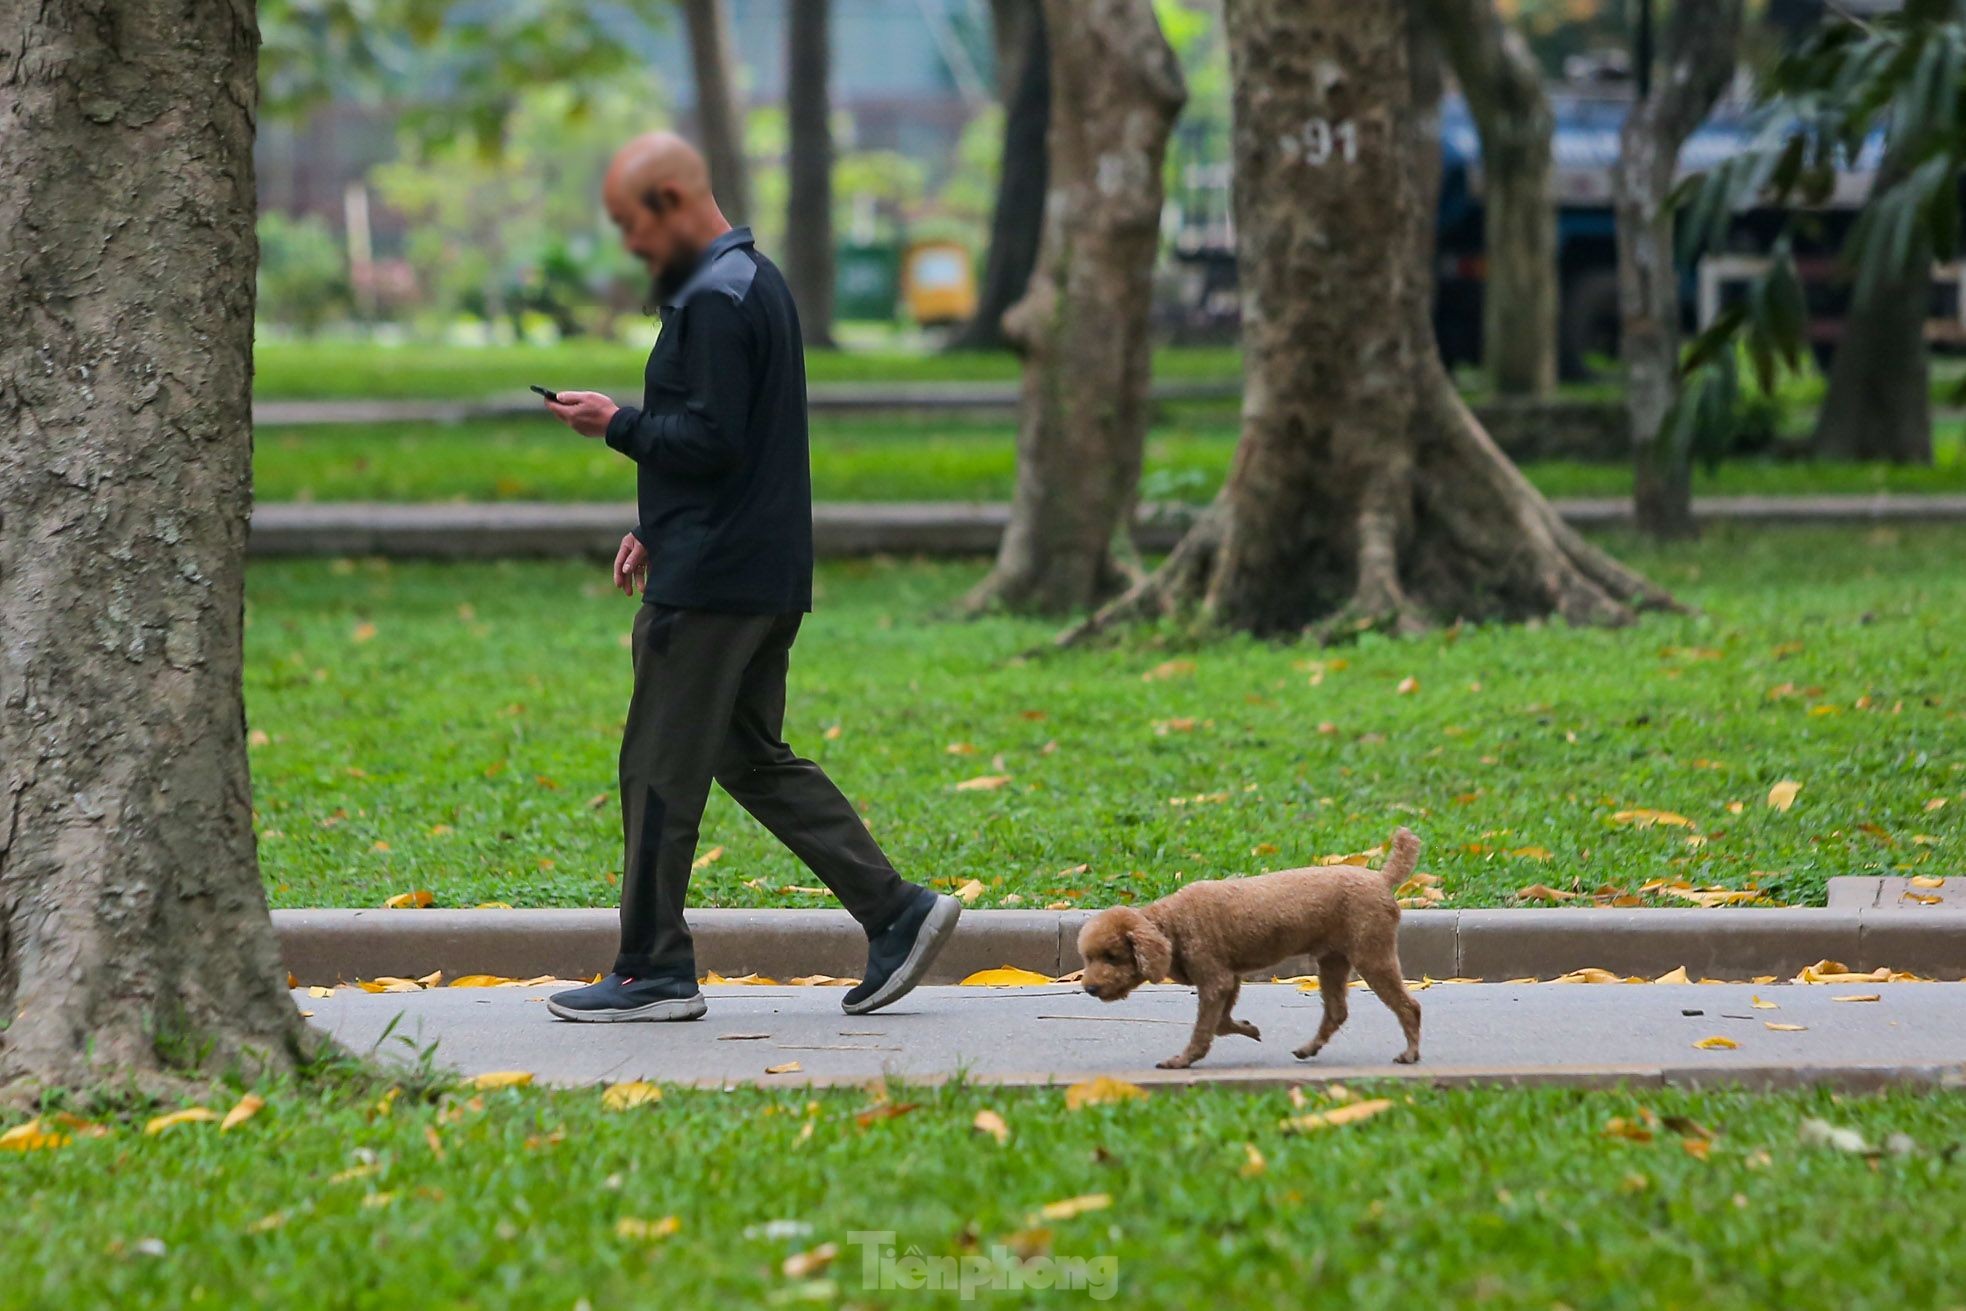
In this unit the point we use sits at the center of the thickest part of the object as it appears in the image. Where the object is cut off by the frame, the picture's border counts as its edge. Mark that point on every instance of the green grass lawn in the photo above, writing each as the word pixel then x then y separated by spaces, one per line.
pixel 329 369
pixel 1446 1199
pixel 454 728
pixel 897 459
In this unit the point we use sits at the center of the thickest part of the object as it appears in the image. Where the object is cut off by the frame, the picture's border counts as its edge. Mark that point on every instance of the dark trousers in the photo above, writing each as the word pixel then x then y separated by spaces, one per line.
pixel 709 703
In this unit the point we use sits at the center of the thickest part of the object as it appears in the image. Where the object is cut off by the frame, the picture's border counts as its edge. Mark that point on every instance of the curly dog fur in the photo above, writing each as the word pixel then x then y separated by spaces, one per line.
pixel 1210 934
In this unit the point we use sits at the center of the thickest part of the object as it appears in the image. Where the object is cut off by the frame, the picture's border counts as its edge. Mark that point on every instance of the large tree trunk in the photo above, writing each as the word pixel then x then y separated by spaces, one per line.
pixel 134 936
pixel 1879 402
pixel 1083 323
pixel 1016 222
pixel 1699 60
pixel 719 121
pixel 809 209
pixel 1363 493
pixel 1504 90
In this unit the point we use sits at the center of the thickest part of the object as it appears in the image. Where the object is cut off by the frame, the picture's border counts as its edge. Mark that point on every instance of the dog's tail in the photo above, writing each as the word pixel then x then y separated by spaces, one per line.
pixel 1405 855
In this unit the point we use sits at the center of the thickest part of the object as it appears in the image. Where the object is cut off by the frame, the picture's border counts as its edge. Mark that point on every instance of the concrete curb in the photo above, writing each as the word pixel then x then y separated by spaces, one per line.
pixel 329 946
pixel 845 529
pixel 1854 1079
pixel 942 398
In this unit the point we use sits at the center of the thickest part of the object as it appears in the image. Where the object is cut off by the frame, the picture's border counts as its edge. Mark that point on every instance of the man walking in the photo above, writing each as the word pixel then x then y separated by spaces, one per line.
pixel 723 552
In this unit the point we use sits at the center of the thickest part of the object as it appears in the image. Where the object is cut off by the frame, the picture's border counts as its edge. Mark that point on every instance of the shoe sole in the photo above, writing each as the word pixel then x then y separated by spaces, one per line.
pixel 934 934
pixel 673 1008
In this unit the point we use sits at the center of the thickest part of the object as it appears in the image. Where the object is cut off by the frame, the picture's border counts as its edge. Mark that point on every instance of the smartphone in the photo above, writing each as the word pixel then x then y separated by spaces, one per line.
pixel 549 395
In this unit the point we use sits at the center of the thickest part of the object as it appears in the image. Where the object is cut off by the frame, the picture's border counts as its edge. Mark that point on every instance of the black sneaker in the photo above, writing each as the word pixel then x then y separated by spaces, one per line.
pixel 619 997
pixel 900 954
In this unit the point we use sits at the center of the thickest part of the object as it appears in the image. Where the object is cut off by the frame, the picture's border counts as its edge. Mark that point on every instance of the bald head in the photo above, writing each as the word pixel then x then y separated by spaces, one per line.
pixel 657 191
pixel 656 164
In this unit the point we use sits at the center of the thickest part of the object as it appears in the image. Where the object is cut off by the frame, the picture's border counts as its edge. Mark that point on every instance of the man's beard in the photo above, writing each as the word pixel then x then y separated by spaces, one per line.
pixel 674 274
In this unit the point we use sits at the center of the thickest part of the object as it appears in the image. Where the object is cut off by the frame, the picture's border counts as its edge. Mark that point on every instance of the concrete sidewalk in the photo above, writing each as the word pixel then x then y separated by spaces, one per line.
pixel 489 530
pixel 1640 1034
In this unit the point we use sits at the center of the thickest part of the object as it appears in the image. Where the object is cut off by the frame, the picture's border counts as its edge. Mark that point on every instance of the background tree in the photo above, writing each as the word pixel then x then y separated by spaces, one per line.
pixel 719 119
pixel 1895 75
pixel 1503 85
pixel 1363 492
pixel 1017 218
pixel 1083 323
pixel 134 934
pixel 809 209
pixel 1878 405
pixel 1701 37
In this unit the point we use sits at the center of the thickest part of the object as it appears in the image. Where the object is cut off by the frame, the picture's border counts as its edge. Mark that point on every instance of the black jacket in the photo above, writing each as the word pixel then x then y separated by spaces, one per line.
pixel 724 475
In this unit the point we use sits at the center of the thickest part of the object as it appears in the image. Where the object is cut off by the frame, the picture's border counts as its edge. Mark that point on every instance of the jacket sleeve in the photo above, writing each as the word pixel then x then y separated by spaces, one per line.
pixel 706 437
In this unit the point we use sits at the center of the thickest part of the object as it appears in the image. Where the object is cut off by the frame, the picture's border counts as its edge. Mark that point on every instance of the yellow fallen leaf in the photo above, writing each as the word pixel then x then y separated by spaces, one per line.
pixel 364 632
pixel 741 980
pixel 243 1110
pixel 1168 669
pixel 267 1223
pixel 961 749
pixel 1782 795
pixel 1631 1130
pixel 497 1079
pixel 1543 892
pixel 409 900
pixel 33 1136
pixel 318 992
pixel 983 783
pixel 1066 1208
pixel 1697 1148
pixel 1761 1005
pixel 635 1230
pixel 969 891
pixel 1829 971
pixel 1716 1043
pixel 1589 974
pixel 1253 1163
pixel 1673 976
pixel 1100 1091
pixel 1784 1028
pixel 990 1122
pixel 1858 996
pixel 803 1265
pixel 1264 849
pixel 1644 817
pixel 789 1067
pixel 621 1096
pixel 1927 881
pixel 493 905
pixel 1349 1113
pixel 1005 976
pixel 1407 686
pixel 189 1115
pixel 479 981
pixel 708 858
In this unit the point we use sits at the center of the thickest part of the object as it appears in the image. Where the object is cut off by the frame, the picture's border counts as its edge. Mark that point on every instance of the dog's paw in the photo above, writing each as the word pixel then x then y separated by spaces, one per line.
pixel 1308 1050
pixel 1407 1058
pixel 1181 1062
pixel 1243 1027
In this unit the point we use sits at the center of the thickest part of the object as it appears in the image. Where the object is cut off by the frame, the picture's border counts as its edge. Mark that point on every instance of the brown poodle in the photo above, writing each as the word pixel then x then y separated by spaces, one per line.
pixel 1209 934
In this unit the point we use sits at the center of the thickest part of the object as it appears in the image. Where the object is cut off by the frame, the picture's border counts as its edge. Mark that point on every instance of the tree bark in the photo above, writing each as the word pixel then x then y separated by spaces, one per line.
pixel 1363 493
pixel 719 119
pixel 1017 219
pixel 1878 405
pixel 134 935
pixel 1699 59
pixel 809 208
pixel 1504 90
pixel 1083 323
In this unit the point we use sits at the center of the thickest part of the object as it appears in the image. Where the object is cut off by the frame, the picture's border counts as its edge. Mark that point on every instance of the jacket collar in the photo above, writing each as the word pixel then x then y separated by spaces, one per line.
pixel 728 241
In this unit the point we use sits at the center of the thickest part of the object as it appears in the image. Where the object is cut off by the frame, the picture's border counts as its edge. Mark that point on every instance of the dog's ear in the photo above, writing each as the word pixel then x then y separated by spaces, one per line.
pixel 1153 954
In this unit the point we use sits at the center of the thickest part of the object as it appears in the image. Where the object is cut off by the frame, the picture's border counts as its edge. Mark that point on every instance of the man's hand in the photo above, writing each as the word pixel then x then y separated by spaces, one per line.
pixel 631 564
pixel 586 412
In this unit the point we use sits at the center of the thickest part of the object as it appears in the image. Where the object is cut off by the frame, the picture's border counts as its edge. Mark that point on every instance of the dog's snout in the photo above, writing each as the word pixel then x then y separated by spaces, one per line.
pixel 1092 989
